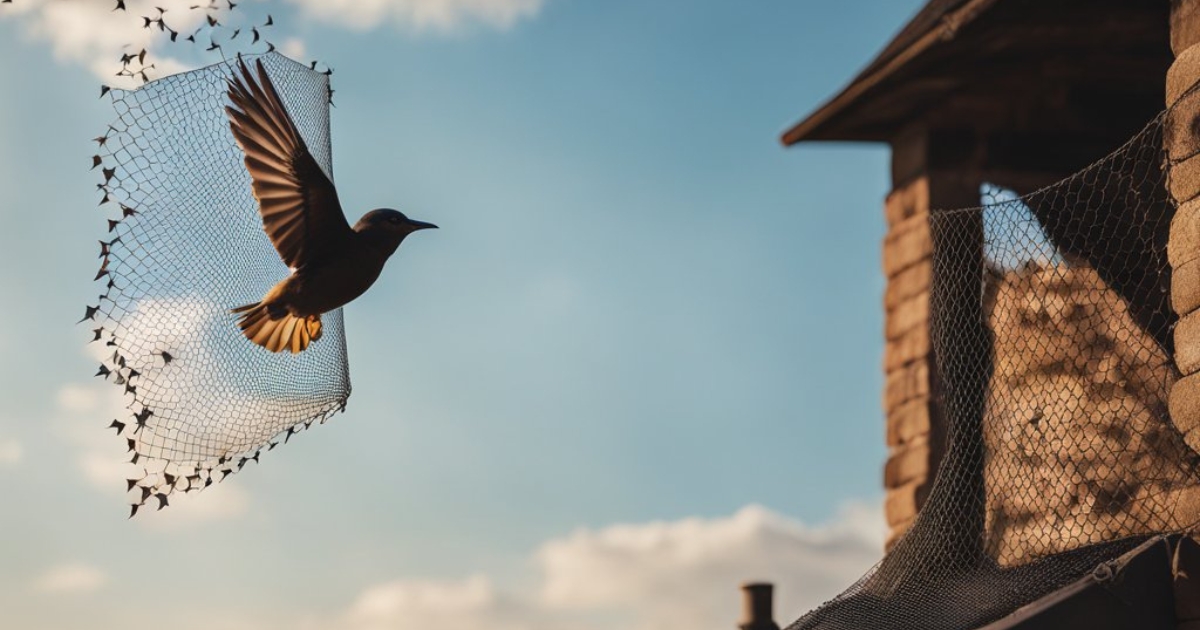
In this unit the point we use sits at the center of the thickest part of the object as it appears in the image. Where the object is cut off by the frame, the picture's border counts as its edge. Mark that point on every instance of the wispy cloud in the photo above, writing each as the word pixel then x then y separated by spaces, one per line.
pixel 103 464
pixel 90 33
pixel 683 574
pixel 648 576
pixel 466 604
pixel 70 578
pixel 83 411
pixel 421 15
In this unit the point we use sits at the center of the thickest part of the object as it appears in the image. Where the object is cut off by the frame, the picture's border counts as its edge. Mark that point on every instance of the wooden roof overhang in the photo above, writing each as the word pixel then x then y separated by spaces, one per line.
pixel 1090 68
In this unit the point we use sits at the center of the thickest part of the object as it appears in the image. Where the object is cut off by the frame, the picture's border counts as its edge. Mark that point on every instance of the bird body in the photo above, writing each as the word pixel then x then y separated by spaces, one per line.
pixel 332 263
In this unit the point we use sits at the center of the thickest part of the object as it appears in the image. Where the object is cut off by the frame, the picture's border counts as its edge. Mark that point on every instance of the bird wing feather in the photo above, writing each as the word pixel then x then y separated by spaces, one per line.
pixel 299 205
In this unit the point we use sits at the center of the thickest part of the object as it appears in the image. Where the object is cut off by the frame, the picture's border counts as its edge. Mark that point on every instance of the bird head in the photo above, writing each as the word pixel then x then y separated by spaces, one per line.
pixel 389 225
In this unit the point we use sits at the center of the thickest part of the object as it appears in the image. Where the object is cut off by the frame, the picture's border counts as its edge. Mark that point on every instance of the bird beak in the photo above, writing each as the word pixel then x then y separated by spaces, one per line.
pixel 421 225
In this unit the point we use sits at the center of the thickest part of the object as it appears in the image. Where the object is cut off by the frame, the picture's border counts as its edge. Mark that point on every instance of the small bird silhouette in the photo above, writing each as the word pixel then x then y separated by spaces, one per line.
pixel 331 262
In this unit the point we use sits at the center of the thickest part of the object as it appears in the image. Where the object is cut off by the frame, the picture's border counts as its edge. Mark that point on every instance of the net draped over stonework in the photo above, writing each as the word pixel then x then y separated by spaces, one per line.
pixel 1051 330
pixel 187 246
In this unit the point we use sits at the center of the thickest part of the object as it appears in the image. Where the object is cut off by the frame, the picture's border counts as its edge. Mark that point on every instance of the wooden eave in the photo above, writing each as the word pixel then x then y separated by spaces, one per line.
pixel 1006 64
pixel 937 21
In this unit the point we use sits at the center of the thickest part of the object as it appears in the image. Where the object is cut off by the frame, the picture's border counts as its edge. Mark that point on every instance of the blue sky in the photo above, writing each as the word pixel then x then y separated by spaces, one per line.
pixel 640 310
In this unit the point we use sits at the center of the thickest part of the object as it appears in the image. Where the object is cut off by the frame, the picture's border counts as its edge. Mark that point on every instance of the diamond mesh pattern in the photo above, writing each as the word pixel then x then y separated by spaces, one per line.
pixel 188 247
pixel 1051 329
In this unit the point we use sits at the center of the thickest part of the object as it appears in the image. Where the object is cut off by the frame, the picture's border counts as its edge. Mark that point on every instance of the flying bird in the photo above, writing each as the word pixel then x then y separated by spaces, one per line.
pixel 331 262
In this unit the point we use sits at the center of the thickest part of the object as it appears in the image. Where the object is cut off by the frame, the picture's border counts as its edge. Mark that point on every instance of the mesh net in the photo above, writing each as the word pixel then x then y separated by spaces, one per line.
pixel 187 247
pixel 1051 330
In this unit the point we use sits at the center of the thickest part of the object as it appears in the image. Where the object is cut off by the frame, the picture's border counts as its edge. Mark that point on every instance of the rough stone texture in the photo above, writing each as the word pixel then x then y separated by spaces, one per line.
pixel 909 347
pixel 1080 448
pixel 907 265
pixel 1180 126
pixel 907 283
pixel 1185 409
pixel 1183 74
pixel 1184 179
pixel 904 384
pixel 1185 287
pixel 908 243
pixel 1185 25
pixel 907 463
pixel 907 315
pixel 1187 343
pixel 1182 141
pixel 909 422
pixel 907 201
pixel 1184 243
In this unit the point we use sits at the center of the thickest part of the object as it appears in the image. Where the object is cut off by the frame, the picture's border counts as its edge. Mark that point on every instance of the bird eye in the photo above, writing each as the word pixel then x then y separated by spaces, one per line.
pixel 393 219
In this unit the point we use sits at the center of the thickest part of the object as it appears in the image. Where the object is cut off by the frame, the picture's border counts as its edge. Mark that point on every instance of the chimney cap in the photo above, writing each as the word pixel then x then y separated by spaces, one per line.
pixel 757 606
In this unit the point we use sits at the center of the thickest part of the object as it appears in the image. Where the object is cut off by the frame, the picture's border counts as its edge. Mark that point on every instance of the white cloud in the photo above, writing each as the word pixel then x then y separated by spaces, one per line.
pixel 468 604
pixel 103 462
pixel 84 409
pixel 92 34
pixel 650 576
pixel 70 578
pixel 683 574
pixel 420 15
pixel 10 452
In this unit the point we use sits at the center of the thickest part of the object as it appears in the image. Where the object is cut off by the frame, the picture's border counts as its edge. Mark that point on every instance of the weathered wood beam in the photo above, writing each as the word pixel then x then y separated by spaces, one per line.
pixel 946 30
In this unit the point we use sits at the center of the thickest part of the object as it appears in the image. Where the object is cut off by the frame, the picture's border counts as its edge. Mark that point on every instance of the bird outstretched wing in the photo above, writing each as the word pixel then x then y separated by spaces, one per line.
pixel 299 205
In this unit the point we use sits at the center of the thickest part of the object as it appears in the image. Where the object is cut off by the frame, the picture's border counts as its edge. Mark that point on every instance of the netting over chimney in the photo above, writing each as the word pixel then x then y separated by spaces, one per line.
pixel 1051 327
pixel 187 246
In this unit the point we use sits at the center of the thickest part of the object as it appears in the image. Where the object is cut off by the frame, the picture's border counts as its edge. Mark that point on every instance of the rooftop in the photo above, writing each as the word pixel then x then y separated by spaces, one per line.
pixel 1066 65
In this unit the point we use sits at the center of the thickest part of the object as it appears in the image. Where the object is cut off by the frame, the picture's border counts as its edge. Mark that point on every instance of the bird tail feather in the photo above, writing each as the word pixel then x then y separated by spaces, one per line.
pixel 277 331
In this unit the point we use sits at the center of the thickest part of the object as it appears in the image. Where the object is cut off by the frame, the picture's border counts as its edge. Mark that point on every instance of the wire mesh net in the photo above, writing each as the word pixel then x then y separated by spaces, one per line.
pixel 187 247
pixel 1051 330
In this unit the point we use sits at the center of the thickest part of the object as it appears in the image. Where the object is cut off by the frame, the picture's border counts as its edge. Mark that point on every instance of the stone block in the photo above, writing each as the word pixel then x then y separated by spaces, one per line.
pixel 908 243
pixel 904 384
pixel 907 201
pixel 906 348
pixel 1185 287
pixel 1184 179
pixel 908 314
pixel 1187 343
pixel 908 282
pixel 1181 128
pixel 907 463
pixel 1184 243
pixel 1183 74
pixel 1185 25
pixel 1184 406
pixel 909 422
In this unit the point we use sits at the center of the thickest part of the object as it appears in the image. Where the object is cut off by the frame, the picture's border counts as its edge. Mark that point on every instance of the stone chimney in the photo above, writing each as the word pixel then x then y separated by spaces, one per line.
pixel 757 607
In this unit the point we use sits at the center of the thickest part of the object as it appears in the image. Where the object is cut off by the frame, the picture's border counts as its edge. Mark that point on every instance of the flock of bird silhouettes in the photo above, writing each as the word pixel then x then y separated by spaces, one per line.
pixel 331 262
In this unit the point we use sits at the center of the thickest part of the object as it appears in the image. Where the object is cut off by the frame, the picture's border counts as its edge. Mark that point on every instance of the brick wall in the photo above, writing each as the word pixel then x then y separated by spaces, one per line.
pixel 1183 248
pixel 911 417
